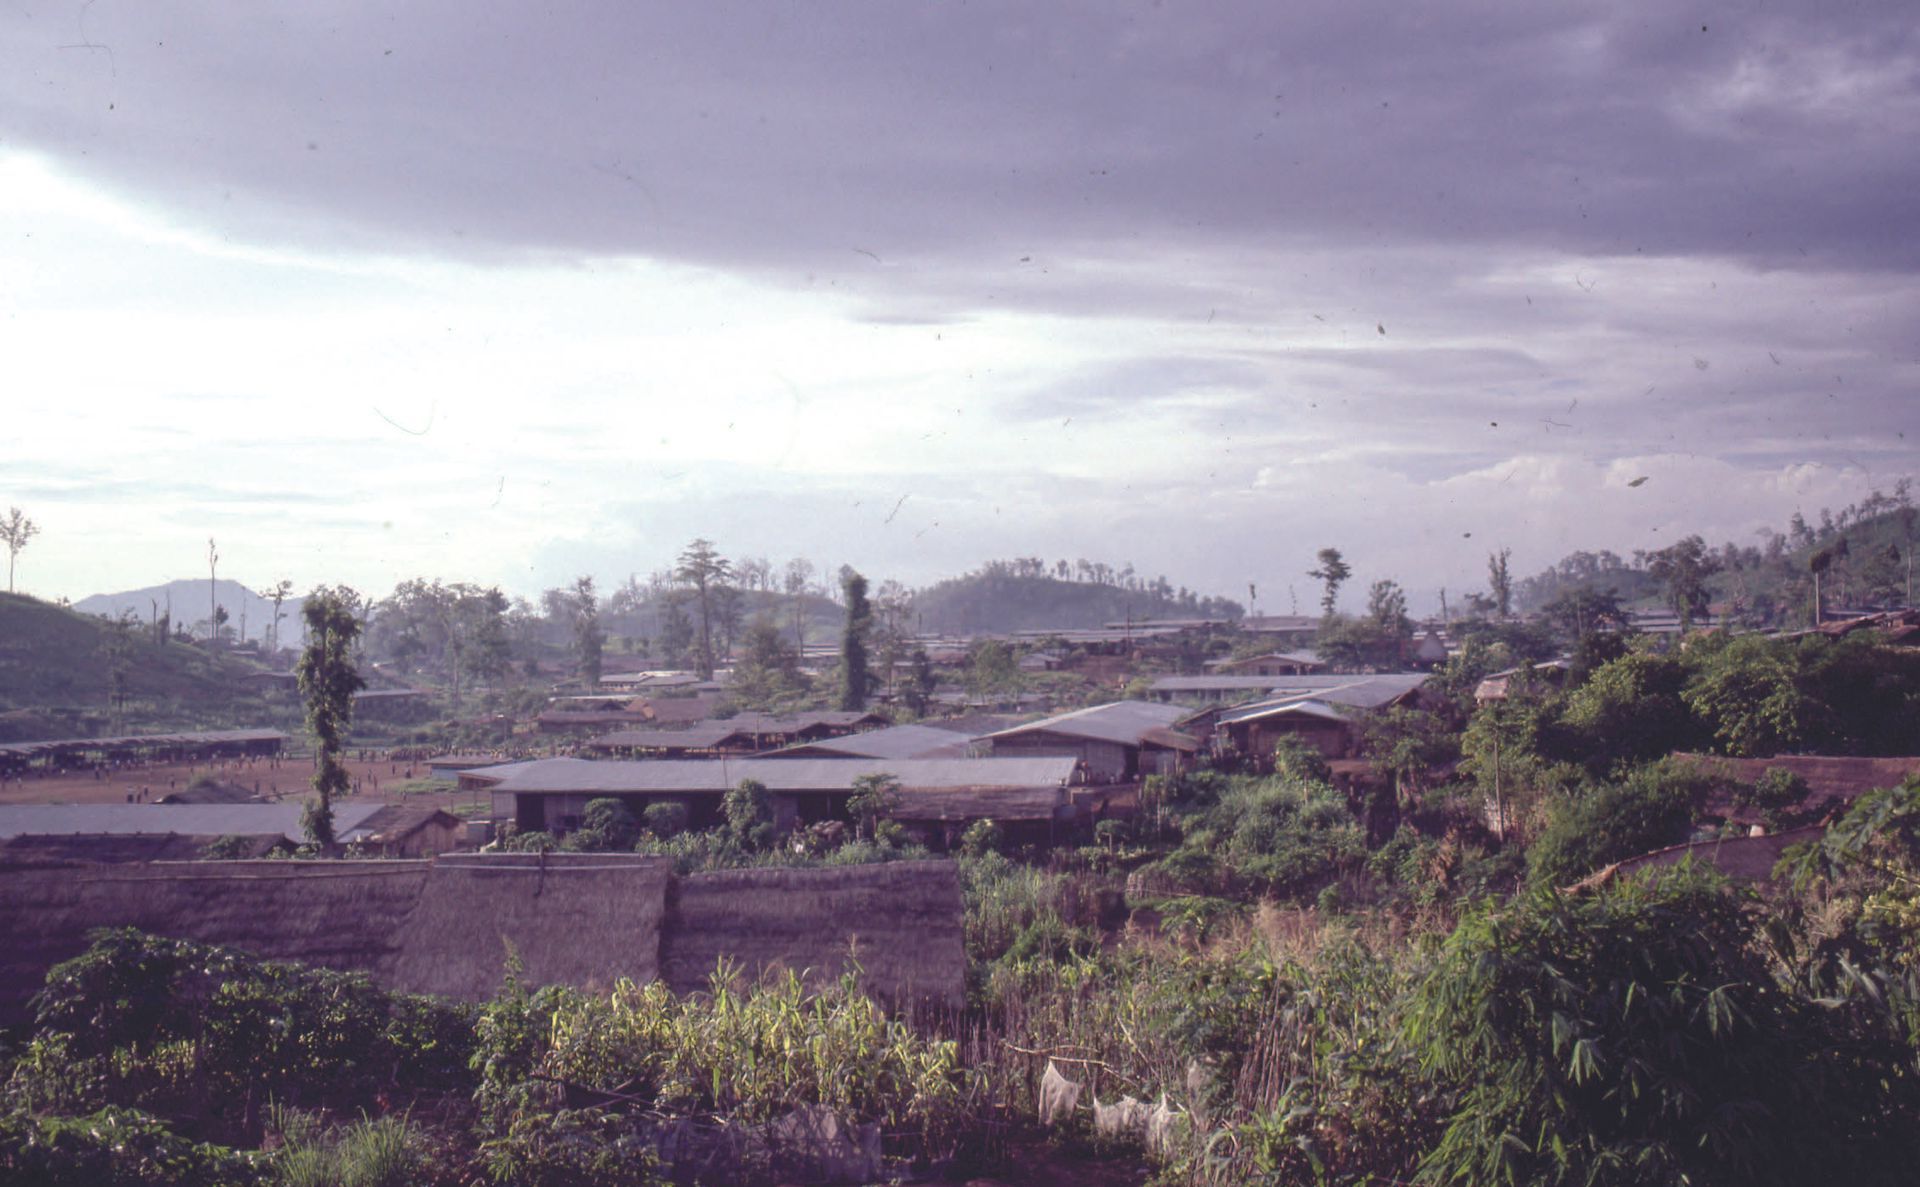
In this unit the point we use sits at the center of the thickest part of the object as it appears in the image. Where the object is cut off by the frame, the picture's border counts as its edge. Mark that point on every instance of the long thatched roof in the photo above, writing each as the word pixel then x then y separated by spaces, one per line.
pixel 899 922
pixel 448 926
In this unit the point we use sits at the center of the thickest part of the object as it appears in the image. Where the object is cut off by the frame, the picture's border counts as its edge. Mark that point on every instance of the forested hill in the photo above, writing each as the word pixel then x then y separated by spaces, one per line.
pixel 1014 596
pixel 1864 557
pixel 66 665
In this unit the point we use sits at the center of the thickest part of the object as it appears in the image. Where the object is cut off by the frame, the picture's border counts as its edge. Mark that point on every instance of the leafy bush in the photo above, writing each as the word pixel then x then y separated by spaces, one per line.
pixel 1285 835
pixel 1651 808
pixel 666 819
pixel 115 1147
pixel 190 1030
pixel 1635 1036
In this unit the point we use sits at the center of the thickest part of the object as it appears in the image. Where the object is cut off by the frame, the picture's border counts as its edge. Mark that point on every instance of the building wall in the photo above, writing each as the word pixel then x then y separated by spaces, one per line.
pixel 1332 739
pixel 1106 762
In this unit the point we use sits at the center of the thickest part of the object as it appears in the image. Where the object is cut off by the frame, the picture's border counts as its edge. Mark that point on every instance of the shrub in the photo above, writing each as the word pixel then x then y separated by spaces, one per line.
pixel 115 1147
pixel 1652 807
pixel 982 837
pixel 1635 1036
pixel 196 1031
pixel 668 819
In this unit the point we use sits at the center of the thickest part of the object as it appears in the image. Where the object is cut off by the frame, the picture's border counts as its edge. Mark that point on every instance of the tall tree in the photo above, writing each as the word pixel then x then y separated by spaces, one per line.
pixel 1332 574
pixel 853 643
pixel 1387 606
pixel 213 609
pixel 703 570
pixel 328 680
pixel 116 646
pixel 918 689
pixel 276 593
pixel 799 573
pixel 1684 568
pixel 1820 564
pixel 893 606
pixel 1500 581
pixel 769 667
pixel 588 639
pixel 16 529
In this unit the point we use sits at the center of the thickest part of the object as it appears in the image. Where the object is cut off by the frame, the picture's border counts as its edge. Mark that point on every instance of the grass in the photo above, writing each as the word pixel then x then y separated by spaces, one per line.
pixel 52 656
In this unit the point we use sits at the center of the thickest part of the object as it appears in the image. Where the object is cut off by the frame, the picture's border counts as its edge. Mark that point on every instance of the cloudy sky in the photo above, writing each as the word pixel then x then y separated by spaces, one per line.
pixel 369 291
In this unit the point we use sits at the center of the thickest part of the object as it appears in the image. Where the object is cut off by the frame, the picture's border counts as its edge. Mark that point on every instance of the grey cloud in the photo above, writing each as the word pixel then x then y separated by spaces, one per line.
pixel 744 135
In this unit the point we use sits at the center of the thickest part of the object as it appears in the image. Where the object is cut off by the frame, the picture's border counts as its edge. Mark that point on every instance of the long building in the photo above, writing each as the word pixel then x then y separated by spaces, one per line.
pixel 936 795
pixel 80 753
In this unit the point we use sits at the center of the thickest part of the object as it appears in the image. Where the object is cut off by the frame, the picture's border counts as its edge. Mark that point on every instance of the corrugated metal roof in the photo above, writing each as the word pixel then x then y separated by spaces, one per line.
pixel 1124 722
pixel 204 820
pixel 897 741
pixel 699 737
pixel 1292 708
pixel 665 776
pixel 1362 692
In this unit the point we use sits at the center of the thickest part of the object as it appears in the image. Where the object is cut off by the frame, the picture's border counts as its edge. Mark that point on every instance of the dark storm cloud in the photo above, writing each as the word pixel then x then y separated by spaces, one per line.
pixel 814 137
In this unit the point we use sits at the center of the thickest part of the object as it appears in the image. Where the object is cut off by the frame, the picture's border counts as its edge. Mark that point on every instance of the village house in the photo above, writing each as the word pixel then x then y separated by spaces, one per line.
pixel 1272 663
pixel 1113 743
pixel 1327 717
pixel 402 830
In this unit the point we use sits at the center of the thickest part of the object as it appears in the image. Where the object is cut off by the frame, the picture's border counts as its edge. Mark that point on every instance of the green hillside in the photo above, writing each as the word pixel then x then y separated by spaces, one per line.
pixel 55 667
pixel 1864 556
pixel 995 599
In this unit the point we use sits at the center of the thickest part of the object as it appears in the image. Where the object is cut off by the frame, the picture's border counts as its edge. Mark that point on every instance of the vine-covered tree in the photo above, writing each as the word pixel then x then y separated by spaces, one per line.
pixel 853 642
pixel 328 680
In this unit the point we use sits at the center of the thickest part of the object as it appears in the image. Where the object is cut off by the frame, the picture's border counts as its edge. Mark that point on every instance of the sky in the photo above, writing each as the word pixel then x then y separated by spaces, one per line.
pixel 365 292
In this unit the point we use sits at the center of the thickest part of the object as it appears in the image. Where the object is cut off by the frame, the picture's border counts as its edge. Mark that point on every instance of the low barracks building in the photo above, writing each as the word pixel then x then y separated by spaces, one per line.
pixel 938 797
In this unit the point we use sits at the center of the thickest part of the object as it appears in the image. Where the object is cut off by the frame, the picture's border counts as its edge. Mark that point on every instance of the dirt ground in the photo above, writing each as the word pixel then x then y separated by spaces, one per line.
pixel 375 778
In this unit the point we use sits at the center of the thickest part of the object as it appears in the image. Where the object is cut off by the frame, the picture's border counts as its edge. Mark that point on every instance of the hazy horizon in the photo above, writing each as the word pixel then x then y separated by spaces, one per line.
pixel 439 291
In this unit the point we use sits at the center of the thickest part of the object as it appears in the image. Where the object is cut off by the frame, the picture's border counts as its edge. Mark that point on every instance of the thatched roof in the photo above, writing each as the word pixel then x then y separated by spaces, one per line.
pixel 1833 781
pixel 445 926
pixel 339 915
pixel 901 921
pixel 1744 859
pixel 210 791
pixel 583 919
pixel 395 822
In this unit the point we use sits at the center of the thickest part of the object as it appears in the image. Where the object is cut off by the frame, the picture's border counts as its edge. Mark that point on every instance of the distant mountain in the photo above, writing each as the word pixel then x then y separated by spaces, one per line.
pixel 189 601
